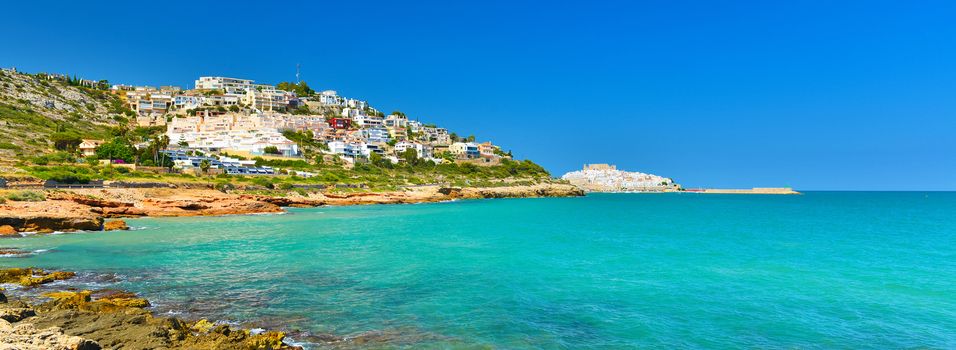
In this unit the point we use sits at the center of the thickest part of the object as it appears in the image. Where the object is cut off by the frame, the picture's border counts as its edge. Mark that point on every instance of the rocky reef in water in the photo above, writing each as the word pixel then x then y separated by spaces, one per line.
pixel 108 319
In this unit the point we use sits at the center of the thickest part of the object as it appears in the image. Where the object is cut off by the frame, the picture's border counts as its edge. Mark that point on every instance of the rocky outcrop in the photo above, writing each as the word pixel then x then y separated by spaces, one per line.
pixel 539 190
pixel 85 209
pixel 32 277
pixel 49 216
pixel 88 200
pixel 47 224
pixel 113 319
pixel 115 225
pixel 26 336
pixel 202 205
pixel 7 230
pixel 431 194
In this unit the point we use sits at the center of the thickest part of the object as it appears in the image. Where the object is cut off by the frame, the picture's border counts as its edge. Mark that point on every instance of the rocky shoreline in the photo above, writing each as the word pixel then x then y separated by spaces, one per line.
pixel 89 320
pixel 66 210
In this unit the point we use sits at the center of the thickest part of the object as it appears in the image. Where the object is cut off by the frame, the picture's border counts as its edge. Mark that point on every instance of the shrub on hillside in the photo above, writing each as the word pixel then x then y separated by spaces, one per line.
pixel 26 196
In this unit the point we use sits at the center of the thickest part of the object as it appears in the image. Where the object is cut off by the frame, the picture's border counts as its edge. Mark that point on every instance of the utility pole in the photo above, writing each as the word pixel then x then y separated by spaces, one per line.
pixel 297 73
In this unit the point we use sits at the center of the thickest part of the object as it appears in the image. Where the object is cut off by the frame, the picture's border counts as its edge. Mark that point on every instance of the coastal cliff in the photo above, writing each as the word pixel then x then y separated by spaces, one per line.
pixel 87 209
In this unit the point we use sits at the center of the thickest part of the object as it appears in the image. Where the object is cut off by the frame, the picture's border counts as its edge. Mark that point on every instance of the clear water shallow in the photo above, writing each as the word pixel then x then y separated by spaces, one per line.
pixel 822 270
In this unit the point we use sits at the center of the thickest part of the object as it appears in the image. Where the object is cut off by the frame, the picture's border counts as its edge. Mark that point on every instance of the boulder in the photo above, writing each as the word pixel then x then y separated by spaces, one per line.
pixel 7 230
pixel 33 281
pixel 16 314
pixel 115 225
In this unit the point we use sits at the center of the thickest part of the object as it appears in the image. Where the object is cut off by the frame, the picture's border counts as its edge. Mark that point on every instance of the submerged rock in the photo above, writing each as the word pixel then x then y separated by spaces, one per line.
pixel 34 281
pixel 108 319
pixel 32 277
pixel 4 251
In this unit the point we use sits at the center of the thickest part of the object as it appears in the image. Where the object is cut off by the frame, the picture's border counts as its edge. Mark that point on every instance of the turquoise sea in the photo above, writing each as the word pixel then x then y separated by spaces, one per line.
pixel 820 270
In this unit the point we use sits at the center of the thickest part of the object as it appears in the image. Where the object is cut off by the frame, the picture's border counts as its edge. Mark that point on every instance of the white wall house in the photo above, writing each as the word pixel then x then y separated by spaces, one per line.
pixel 229 86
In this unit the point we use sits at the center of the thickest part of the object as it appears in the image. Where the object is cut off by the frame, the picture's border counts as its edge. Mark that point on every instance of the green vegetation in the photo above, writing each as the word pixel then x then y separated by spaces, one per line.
pixel 300 89
pixel 66 174
pixel 26 196
pixel 65 140
pixel 375 175
pixel 118 149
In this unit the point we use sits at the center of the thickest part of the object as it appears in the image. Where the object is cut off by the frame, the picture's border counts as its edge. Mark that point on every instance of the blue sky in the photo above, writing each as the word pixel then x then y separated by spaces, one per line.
pixel 856 95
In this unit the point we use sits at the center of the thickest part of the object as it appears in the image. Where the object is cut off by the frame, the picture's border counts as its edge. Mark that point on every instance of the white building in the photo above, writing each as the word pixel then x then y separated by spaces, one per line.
pixel 465 149
pixel 187 102
pixel 330 98
pixel 422 151
pixel 248 133
pixel 267 98
pixel 369 121
pixel 229 86
pixel 396 121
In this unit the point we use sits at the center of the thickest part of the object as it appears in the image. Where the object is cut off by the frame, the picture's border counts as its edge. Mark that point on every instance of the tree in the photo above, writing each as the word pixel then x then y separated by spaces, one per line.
pixel 65 141
pixel 410 155
pixel 119 148
pixel 159 144
pixel 271 150
pixel 379 161
pixel 398 113
pixel 300 89
pixel 204 166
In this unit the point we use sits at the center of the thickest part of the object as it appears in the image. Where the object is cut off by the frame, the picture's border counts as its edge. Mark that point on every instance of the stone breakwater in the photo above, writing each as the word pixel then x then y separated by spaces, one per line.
pixel 107 319
pixel 92 209
pixel 755 190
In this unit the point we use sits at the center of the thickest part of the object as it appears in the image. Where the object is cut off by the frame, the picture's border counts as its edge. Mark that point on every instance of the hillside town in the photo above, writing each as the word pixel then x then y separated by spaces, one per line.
pixel 221 123
pixel 607 178
pixel 229 115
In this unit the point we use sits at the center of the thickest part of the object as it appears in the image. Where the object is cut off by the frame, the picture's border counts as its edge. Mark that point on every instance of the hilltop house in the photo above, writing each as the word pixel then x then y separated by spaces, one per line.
pixel 228 86
pixel 88 147
pixel 467 150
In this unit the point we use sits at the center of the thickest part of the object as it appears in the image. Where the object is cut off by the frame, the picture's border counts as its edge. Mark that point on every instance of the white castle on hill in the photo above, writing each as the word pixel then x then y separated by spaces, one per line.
pixel 606 178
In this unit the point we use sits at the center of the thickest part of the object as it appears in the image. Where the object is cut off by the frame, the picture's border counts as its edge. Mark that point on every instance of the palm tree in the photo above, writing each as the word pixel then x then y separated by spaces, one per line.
pixel 204 165
pixel 160 143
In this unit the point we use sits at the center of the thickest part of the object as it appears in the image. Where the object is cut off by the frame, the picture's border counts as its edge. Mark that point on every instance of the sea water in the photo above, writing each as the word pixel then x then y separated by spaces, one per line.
pixel 819 270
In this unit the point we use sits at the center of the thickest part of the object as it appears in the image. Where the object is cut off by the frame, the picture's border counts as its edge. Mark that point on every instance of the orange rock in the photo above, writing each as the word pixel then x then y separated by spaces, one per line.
pixel 115 225
pixel 7 230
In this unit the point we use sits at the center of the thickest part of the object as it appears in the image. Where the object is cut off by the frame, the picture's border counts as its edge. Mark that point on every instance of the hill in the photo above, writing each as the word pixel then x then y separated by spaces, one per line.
pixel 37 111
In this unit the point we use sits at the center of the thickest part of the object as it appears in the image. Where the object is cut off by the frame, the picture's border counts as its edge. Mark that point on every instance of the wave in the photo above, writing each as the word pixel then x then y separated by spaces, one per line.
pixel 13 252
